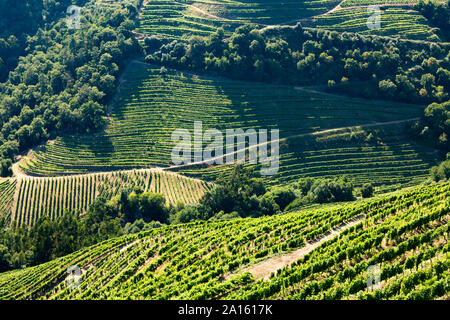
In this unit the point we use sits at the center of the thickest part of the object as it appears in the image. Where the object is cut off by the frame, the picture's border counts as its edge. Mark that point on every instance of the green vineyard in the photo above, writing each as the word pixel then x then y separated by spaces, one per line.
pixel 225 151
pixel 180 19
pixel 353 3
pixel 393 22
pixel 7 189
pixel 152 106
pixel 405 233
pixel 52 197
pixel 390 161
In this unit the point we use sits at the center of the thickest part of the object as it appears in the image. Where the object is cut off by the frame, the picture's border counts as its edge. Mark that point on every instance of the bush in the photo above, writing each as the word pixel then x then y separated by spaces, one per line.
pixel 367 190
pixel 441 172
pixel 185 215
pixel 282 196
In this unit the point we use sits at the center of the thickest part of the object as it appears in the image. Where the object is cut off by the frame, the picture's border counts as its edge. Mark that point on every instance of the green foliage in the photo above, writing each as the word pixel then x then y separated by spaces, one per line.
pixel 237 192
pixel 367 190
pixel 405 232
pixel 48 239
pixel 441 172
pixel 282 196
pixel 66 78
pixel 434 127
pixel 326 190
pixel 185 215
pixel 437 13
pixel 302 56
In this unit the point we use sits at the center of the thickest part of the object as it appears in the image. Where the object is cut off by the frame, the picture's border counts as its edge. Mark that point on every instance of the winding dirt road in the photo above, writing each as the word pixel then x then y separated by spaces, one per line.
pixel 264 269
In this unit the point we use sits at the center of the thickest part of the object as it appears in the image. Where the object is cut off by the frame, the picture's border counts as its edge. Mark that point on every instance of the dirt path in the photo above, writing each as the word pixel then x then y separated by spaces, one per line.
pixel 202 12
pixel 263 269
pixel 288 138
pixel 338 7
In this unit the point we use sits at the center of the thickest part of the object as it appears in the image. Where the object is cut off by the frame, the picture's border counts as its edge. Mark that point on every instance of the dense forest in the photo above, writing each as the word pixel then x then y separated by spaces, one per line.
pixel 21 19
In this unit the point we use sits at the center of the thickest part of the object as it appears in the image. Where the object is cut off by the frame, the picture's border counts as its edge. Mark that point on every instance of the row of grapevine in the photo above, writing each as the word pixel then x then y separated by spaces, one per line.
pixel 7 189
pixel 392 161
pixel 37 197
pixel 393 22
pixel 154 105
pixel 406 232
pixel 179 19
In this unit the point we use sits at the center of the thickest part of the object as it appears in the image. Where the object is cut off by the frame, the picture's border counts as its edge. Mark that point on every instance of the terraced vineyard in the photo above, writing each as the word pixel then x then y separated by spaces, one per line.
pixel 390 161
pixel 152 106
pixel 37 197
pixel 401 22
pixel 405 232
pixel 180 19
pixel 352 3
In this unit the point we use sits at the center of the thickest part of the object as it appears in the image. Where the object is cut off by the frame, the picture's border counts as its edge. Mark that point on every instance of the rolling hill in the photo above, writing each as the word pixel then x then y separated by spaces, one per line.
pixel 330 250
pixel 152 105
pixel 89 114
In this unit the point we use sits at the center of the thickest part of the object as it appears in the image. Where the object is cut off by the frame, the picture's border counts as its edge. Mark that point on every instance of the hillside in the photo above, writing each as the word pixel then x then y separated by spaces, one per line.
pixel 101 99
pixel 151 105
pixel 405 232
pixel 178 19
pixel 26 199
pixel 389 160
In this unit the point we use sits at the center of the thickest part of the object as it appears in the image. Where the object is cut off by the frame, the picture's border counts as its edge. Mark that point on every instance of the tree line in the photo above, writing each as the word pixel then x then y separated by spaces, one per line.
pixel 347 63
pixel 437 13
pixel 239 194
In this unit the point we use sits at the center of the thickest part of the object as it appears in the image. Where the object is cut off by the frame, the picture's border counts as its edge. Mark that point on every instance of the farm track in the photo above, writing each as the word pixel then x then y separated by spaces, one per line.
pixel 375 124
pixel 202 12
pixel 263 269
pixel 337 8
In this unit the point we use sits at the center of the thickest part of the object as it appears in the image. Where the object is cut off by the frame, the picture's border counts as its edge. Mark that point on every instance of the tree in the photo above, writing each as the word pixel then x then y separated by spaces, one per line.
pixel 152 207
pixel 367 190
pixel 387 87
pixel 282 196
pixel 92 116
pixel 185 215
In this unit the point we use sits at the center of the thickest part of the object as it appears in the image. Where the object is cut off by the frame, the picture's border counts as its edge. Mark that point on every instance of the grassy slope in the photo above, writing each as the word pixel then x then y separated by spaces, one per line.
pixel 198 260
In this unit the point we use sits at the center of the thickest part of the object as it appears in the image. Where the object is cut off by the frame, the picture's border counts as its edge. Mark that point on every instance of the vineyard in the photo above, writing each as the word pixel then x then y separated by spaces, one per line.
pixel 152 106
pixel 390 160
pixel 7 189
pixel 405 233
pixel 181 19
pixel 99 97
pixel 393 22
pixel 37 197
